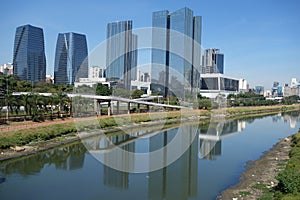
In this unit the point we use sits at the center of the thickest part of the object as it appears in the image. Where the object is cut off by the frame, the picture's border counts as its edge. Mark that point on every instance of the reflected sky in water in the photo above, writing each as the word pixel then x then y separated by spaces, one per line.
pixel 214 161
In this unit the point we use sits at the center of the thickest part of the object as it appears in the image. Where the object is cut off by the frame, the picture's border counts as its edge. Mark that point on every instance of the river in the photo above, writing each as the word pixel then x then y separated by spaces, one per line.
pixel 213 162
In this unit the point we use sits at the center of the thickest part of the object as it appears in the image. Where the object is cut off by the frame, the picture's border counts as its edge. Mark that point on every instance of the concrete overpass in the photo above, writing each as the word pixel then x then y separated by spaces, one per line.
pixel 100 99
pixel 141 101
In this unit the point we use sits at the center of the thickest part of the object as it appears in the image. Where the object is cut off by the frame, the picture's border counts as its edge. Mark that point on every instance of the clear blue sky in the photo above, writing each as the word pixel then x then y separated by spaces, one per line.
pixel 260 38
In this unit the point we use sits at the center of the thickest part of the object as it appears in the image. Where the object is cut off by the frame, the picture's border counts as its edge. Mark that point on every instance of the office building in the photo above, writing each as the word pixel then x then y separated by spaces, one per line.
pixel 96 72
pixel 6 69
pixel 121 53
pixel 176 52
pixel 243 85
pixel 214 84
pixel 295 83
pixel 213 61
pixel 29 58
pixel 277 89
pixel 293 89
pixel 71 62
pixel 259 90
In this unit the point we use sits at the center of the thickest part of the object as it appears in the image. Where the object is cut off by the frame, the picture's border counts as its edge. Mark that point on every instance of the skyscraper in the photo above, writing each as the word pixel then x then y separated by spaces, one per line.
pixel 71 61
pixel 121 53
pixel 213 61
pixel 29 58
pixel 176 63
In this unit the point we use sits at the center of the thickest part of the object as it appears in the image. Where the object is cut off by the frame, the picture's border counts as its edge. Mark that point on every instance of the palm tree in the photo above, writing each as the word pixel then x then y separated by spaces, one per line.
pixel 63 100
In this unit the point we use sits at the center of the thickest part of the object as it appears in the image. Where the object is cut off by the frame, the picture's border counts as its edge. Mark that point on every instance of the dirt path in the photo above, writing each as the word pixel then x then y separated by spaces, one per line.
pixel 260 175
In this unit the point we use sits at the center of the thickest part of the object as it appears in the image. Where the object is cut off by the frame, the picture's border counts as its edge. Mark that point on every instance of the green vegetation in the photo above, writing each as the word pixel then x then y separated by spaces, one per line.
pixel 288 187
pixel 103 90
pixel 171 100
pixel 135 94
pixel 36 107
pixel 289 179
pixel 50 131
pixel 204 103
pixel 244 193
pixel 267 193
pixel 41 133
pixel 249 99
pixel 252 99
pixel 261 109
pixel 291 100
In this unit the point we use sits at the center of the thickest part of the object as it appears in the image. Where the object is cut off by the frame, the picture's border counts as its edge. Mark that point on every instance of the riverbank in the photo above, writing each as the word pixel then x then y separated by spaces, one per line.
pixel 262 179
pixel 16 143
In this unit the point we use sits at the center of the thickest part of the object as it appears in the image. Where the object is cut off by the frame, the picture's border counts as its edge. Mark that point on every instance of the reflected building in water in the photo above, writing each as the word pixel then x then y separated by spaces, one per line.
pixel 170 182
pixel 291 118
pixel 161 183
pixel 113 177
pixel 210 138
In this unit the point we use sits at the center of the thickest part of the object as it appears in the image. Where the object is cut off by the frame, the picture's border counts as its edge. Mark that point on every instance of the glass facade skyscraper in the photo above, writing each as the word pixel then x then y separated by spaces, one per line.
pixel 213 61
pixel 71 62
pixel 176 64
pixel 29 58
pixel 121 53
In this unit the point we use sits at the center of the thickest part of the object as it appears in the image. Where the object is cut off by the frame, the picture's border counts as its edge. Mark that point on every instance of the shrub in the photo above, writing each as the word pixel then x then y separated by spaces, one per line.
pixel 289 181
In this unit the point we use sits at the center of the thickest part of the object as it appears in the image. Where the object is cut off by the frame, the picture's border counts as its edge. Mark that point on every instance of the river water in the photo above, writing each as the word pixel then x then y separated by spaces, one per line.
pixel 214 161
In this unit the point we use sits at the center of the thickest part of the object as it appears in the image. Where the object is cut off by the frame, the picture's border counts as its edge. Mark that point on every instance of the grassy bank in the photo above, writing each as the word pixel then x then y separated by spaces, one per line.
pixel 50 131
pixel 261 109
pixel 288 187
pixel 43 133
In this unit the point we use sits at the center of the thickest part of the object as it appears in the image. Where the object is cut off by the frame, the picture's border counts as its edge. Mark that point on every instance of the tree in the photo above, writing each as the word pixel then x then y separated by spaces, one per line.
pixel 83 89
pixel 172 100
pixel 63 100
pixel 120 92
pixel 203 102
pixel 290 100
pixel 135 94
pixel 103 90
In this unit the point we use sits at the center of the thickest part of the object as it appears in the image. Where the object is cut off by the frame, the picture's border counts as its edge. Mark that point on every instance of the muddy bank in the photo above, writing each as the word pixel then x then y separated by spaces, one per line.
pixel 260 174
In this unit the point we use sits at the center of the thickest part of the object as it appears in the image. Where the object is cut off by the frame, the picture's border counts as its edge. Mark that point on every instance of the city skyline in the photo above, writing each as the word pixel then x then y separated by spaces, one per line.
pixel 257 38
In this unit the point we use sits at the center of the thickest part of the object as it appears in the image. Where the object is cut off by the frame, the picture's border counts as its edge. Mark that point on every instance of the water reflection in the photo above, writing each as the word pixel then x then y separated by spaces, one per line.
pixel 115 178
pixel 291 118
pixel 68 157
pixel 179 180
pixel 211 136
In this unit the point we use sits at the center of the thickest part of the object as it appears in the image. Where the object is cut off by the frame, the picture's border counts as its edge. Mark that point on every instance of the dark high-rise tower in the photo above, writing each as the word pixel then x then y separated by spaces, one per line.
pixel 71 61
pixel 176 63
pixel 121 53
pixel 29 58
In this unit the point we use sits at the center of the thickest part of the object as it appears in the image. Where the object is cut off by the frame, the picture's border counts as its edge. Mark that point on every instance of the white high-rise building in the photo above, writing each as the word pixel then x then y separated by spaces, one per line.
pixel 6 69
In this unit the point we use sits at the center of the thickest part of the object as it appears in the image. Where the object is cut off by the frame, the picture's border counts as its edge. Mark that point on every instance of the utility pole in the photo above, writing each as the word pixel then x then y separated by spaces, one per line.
pixel 7 101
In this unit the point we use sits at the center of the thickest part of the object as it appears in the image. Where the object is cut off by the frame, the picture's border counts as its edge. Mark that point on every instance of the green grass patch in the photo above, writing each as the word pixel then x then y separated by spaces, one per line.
pixel 244 193
pixel 41 133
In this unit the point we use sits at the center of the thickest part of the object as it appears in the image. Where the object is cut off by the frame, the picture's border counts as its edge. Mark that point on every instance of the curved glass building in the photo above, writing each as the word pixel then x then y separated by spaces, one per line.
pixel 71 62
pixel 29 58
